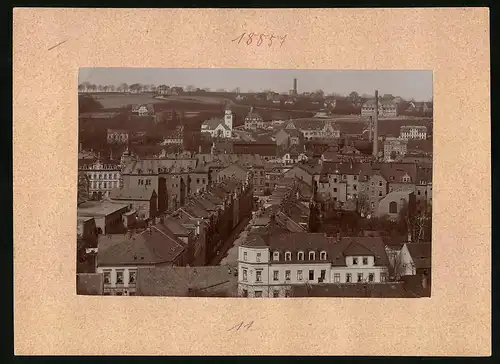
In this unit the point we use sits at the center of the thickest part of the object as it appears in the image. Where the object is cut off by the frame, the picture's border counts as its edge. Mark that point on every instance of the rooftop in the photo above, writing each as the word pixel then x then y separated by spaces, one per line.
pixel 134 194
pixel 99 208
pixel 215 281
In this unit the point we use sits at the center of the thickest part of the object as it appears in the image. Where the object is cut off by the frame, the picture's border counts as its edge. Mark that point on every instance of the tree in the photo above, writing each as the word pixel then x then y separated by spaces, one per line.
pixel 123 87
pixel 363 203
pixel 354 96
pixel 136 87
pixel 190 88
pixel 81 87
pixel 394 155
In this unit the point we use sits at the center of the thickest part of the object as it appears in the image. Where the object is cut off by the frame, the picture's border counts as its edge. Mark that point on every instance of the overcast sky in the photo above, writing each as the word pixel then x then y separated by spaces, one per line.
pixel 407 84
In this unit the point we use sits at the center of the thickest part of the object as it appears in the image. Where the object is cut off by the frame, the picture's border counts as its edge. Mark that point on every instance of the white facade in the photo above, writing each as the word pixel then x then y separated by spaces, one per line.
pixel 220 131
pixel 119 281
pixel 102 178
pixel 413 132
pixel 260 276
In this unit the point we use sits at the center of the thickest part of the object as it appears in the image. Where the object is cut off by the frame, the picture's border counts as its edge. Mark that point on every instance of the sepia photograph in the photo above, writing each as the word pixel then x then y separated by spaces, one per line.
pixel 254 183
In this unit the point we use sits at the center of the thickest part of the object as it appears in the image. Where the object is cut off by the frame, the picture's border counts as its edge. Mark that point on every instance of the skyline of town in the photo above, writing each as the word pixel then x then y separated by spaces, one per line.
pixel 408 84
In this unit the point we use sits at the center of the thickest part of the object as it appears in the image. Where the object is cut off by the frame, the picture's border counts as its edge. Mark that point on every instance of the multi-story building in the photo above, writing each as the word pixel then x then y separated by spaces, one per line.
pixel 117 136
pixel 270 265
pixel 394 147
pixel 385 108
pixel 253 121
pixel 413 132
pixel 103 176
pixel 313 129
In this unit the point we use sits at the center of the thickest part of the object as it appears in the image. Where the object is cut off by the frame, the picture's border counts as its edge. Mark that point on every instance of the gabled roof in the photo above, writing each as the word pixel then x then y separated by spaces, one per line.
pixel 152 246
pixel 213 123
pixel 356 249
pixel 420 254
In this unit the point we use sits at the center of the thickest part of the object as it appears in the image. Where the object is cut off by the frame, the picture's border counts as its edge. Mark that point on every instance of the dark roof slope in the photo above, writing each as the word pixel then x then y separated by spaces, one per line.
pixel 218 281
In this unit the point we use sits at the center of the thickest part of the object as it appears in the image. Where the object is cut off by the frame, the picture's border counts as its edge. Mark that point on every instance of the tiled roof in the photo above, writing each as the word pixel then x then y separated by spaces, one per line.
pixel 99 208
pixel 421 254
pixel 134 194
pixel 307 124
pixel 187 281
pixel 341 168
pixel 336 250
pixel 152 246
pixel 89 283
pixel 214 123
pixel 154 166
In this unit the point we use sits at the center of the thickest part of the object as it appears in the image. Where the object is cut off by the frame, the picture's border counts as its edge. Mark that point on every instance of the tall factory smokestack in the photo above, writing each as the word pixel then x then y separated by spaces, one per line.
pixel 375 127
pixel 295 86
pixel 370 128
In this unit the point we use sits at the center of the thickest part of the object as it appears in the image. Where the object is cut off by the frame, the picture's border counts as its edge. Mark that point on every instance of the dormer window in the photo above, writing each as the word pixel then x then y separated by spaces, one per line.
pixel 288 256
pixel 276 256
pixel 300 255
pixel 322 256
pixel 312 255
pixel 365 261
pixel 355 261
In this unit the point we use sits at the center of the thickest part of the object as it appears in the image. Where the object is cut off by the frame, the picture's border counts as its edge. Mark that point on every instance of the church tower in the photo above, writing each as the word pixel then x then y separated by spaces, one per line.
pixel 228 118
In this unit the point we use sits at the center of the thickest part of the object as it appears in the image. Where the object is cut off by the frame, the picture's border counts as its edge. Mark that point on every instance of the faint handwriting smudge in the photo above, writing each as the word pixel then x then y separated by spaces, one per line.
pixel 57 45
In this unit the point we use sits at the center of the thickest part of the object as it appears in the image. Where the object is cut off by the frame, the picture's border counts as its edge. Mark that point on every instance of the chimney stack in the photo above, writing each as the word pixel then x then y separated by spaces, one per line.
pixel 370 127
pixel 375 127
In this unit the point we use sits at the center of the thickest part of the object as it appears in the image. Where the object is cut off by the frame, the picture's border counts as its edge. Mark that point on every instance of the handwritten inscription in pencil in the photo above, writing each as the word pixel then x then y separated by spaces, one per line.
pixel 238 326
pixel 260 39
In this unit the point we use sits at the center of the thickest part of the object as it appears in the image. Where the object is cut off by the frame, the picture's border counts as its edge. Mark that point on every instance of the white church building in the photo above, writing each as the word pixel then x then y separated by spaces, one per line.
pixel 218 127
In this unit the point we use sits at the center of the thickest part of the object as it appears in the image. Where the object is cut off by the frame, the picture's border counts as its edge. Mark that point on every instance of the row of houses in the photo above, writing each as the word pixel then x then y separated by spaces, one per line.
pixel 115 246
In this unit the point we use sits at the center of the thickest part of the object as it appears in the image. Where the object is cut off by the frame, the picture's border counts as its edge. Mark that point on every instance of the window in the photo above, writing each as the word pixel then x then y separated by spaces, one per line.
pixel 258 257
pixel 371 277
pixel 276 293
pixel 245 256
pixel 380 193
pixel 334 189
pixel 119 277
pixel 288 274
pixel 107 277
pixel 276 256
pixel 245 275
pixel 348 278
pixel 148 182
pixel 323 275
pixel 203 180
pixel 258 294
pixel 288 256
pixel 355 178
pixel 132 275
pixel 360 277
pixel 355 187
pixel 365 261
pixel 244 293
pixel 311 275
pixel 383 277
pixel 322 256
pixel 418 192
pixel 344 177
pixel 312 255
pixel 380 183
pixel 334 180
pixel 393 208
pixel 336 277
pixel 140 182
pixel 299 275
pixel 355 261
pixel 258 276
pixel 119 293
pixel 276 275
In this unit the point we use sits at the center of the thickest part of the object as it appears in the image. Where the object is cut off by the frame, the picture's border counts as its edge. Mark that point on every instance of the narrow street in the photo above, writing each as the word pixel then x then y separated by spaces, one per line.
pixel 228 244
